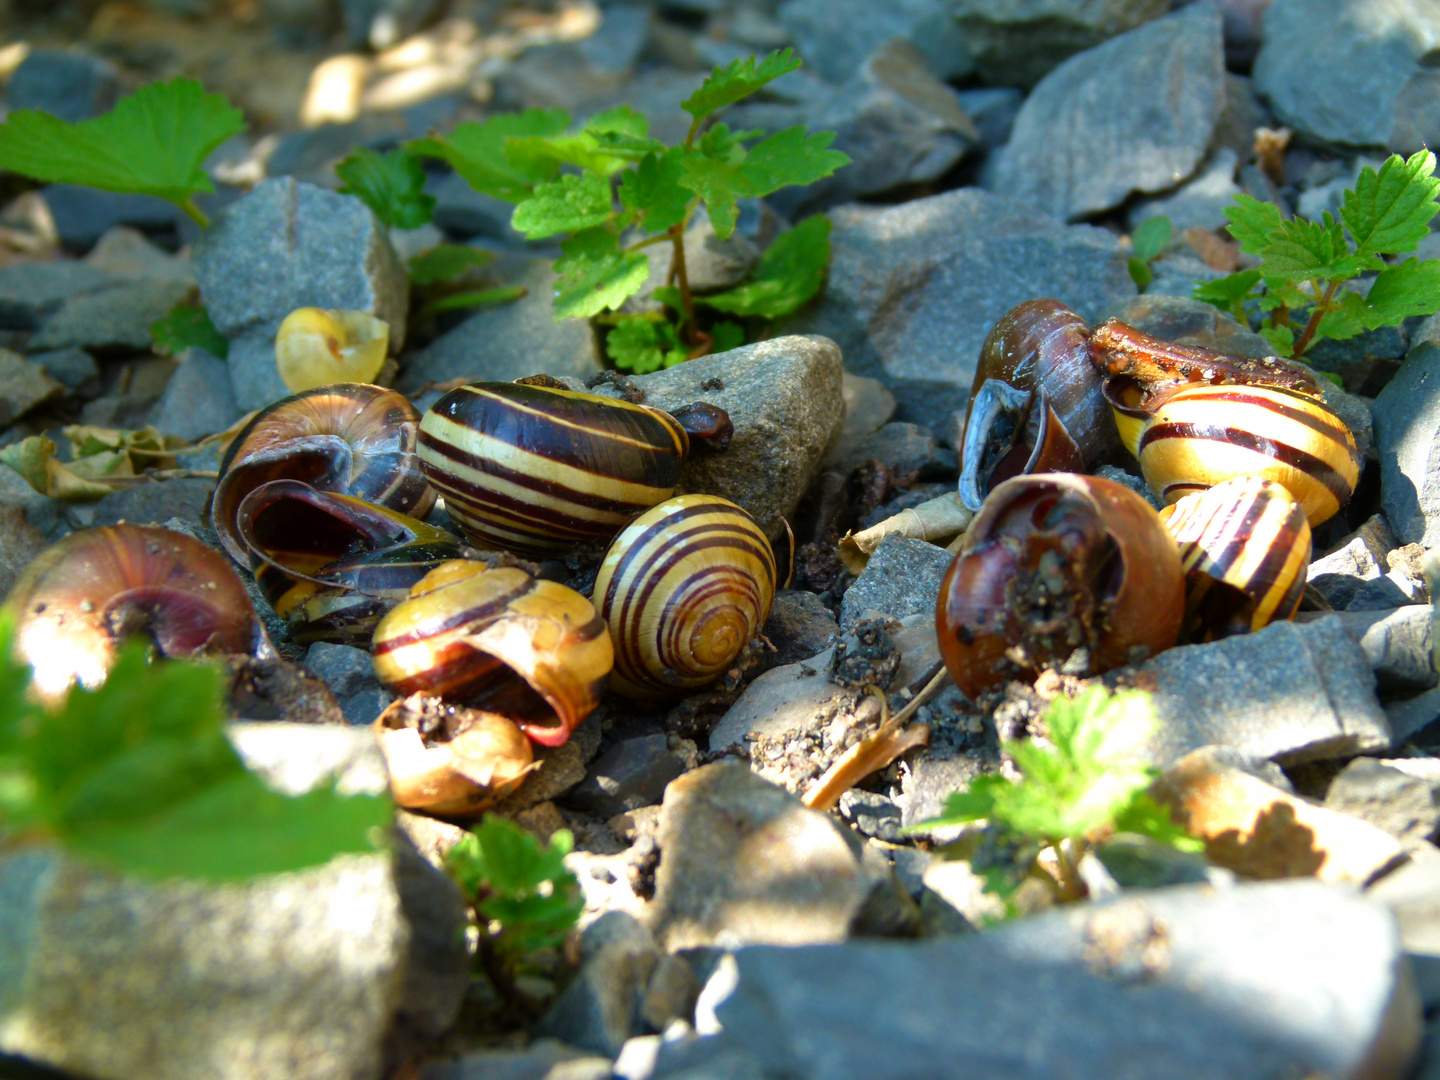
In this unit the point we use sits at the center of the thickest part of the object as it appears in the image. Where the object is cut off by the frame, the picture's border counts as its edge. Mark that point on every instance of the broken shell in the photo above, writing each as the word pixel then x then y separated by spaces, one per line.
pixel 315 347
pixel 1245 547
pixel 1056 567
pixel 499 639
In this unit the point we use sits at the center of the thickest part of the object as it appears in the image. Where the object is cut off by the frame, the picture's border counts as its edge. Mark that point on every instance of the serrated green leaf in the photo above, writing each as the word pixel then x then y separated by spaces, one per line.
pixel 1227 293
pixel 1390 212
pixel 1151 237
pixel 1140 273
pixel 1281 339
pixel 652 190
pixel 594 274
pixel 722 144
pixel 392 185
pixel 188 326
pixel 1398 292
pixel 789 273
pixel 478 151
pixel 644 343
pixel 1309 250
pixel 726 335
pixel 446 262
pixel 621 120
pixel 717 183
pixel 789 157
pixel 566 204
pixel 153 142
pixel 1252 222
pixel 738 79
pixel 1146 817
pixel 1350 317
pixel 976 802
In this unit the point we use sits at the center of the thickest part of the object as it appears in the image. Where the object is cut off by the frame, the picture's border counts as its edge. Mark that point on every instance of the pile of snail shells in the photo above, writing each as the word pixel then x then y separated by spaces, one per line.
pixel 1243 451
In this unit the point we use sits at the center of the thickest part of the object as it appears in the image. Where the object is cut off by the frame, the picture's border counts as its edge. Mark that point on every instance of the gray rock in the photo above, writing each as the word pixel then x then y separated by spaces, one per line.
pixel 631 774
pixel 350 675
pixel 1365 362
pixel 288 245
pixel 1413 715
pixel 118 317
pixel 1292 692
pixel 1407 418
pixel 69 85
pixel 1397 644
pixel 464 212
pixel 784 398
pixel 1315 202
pixel 1200 202
pixel 868 406
pixel 799 625
pixel 900 447
pixel 1412 893
pixel 75 368
pixel 902 578
pixel 1242 984
pixel 156 501
pixel 127 254
pixel 84 214
pixel 687 1056
pixel 1016 42
pixel 992 109
pixel 311 154
pixel 31 291
pixel 1105 97
pixel 835 36
pixel 23 386
pixel 1400 796
pixel 322 973
pixel 598 1010
pixel 898 124
pixel 1358 76
pixel 744 861
pixel 507 342
pixel 914 289
pixel 198 400
pixel 871 814
pixel 1352 579
pixel 544 1059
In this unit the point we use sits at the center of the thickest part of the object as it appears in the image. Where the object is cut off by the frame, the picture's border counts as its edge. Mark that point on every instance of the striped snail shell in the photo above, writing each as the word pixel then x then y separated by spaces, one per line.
pixel 349 438
pixel 81 597
pixel 332 564
pixel 1245 547
pixel 1057 564
pixel 536 469
pixel 500 640
pixel 684 587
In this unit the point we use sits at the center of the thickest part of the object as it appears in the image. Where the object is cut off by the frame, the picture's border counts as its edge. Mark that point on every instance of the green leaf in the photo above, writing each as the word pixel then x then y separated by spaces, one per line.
pixel 719 184
pixel 480 152
pixel 621 120
pixel 1350 317
pixel 1410 288
pixel 644 343
pixel 1228 293
pixel 790 157
pixel 1281 339
pixel 790 273
pixel 1253 223
pixel 726 335
pixel 185 327
pixel 1140 273
pixel 725 145
pixel 34 459
pixel 392 185
pixel 1307 250
pixel 477 299
pixel 1390 212
pixel 152 143
pixel 652 190
pixel 737 80
pixel 594 274
pixel 976 803
pixel 567 204
pixel 446 262
pixel 1151 237
pixel 1146 817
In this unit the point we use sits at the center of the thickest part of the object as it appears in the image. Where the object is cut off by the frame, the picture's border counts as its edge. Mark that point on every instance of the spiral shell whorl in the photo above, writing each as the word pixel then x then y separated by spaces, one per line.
pixel 684 588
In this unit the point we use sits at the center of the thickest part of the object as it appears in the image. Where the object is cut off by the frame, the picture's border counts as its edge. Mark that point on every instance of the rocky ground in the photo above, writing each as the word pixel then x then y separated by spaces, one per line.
pixel 729 931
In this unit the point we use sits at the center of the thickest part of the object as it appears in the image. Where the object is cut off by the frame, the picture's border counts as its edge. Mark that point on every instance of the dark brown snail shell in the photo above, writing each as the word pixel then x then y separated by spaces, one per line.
pixel 535 469
pixel 1052 564
pixel 684 587
pixel 80 598
pixel 1036 403
pixel 331 565
pixel 500 640
pixel 1245 547
pixel 349 438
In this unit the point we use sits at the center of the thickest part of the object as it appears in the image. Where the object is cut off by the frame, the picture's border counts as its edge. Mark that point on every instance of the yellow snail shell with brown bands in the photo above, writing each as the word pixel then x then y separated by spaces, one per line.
pixel 531 649
pixel 1245 548
pixel 1204 435
pixel 457 776
pixel 315 347
pixel 684 588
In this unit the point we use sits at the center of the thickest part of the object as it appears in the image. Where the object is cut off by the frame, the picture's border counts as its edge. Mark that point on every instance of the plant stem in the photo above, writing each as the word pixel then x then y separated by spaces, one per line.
pixel 195 213
pixel 1072 886
pixel 1316 314
pixel 658 238
pixel 682 280
pixel 499 975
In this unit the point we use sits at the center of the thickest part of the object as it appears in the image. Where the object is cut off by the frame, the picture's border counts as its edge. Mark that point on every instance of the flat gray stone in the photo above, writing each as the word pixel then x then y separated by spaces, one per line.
pixel 631 774
pixel 23 386
pixel 1191 983
pixel 1095 130
pixel 799 625
pixel 1413 715
pixel 116 318
pixel 155 501
pixel 288 245
pixel 76 368
pixel 1200 202
pixel 1358 74
pixel 598 1010
pixel 199 399
pixel 544 1059
pixel 1292 692
pixel 1412 893
pixel 835 36
pixel 1352 579
pixel 914 289
pixel 1401 796
pixel 902 578
pixel 30 291
pixel 1407 438
pixel 1397 644
pixel 65 83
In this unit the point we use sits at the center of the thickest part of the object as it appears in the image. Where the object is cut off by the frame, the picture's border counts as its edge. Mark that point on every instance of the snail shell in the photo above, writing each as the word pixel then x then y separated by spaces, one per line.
pixel 315 347
pixel 81 597
pixel 1245 547
pixel 332 564
pixel 1036 404
pixel 499 639
pixel 349 438
pixel 534 469
pixel 684 587
pixel 1052 564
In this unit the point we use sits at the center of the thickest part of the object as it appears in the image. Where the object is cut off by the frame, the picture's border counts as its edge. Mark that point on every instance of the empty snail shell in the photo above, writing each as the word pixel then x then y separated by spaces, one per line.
pixel 80 598
pixel 1245 547
pixel 1036 404
pixel 315 347
pixel 535 469
pixel 1056 563
pixel 348 438
pixel 332 564
pixel 499 640
pixel 684 587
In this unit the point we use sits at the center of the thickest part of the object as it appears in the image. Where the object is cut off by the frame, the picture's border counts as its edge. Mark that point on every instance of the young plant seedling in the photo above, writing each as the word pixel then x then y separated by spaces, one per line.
pixel 1304 265
pixel 392 185
pixel 1147 242
pixel 185 326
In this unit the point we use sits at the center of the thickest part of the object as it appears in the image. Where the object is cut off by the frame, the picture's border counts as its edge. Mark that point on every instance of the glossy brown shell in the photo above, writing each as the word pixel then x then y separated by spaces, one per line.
pixel 1054 563
pixel 81 597
pixel 350 438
